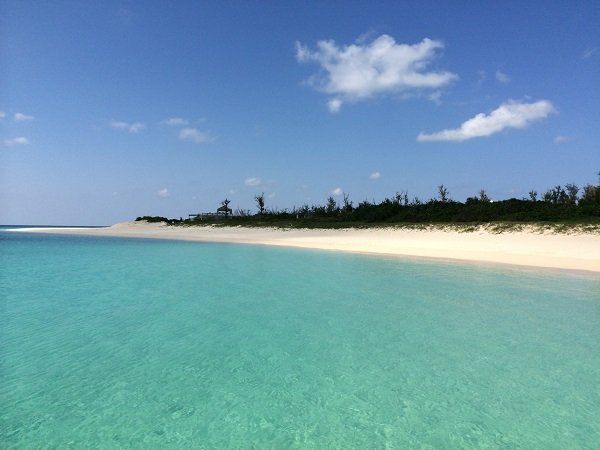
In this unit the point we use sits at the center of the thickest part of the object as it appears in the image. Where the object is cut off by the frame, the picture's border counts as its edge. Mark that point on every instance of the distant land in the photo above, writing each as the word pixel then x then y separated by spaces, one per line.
pixel 565 207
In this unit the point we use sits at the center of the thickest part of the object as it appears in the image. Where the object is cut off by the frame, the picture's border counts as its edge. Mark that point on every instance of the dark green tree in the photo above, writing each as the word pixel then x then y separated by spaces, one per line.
pixel 331 205
pixel 483 197
pixel 260 202
pixel 443 194
pixel 572 191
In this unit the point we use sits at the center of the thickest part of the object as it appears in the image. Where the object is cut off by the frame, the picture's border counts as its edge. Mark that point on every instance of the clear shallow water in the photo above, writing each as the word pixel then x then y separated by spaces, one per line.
pixel 112 343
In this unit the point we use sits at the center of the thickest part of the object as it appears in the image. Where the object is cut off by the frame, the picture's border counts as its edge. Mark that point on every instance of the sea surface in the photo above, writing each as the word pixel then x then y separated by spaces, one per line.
pixel 134 343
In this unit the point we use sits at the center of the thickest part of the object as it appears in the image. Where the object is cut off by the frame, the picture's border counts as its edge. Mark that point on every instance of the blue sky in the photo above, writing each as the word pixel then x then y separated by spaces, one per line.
pixel 110 110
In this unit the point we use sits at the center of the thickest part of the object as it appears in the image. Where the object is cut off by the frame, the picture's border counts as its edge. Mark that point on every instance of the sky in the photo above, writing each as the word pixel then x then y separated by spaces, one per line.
pixel 116 109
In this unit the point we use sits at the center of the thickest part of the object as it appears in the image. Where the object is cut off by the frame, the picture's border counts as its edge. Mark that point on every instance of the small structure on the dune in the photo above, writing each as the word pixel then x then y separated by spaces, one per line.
pixel 224 208
pixel 223 211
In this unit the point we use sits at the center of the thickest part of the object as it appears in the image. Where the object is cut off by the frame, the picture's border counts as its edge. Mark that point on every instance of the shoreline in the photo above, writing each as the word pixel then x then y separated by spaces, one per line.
pixel 527 247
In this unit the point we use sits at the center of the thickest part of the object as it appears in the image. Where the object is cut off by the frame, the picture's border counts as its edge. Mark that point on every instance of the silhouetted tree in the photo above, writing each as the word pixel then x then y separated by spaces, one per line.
pixel 443 193
pixel 572 191
pixel 556 195
pixel 331 205
pixel 591 195
pixel 398 198
pixel 347 203
pixel 533 195
pixel 260 202
pixel 483 197
pixel 401 198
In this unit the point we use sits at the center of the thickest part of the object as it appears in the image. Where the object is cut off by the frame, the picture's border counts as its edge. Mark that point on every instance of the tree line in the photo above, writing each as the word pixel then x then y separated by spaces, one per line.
pixel 557 204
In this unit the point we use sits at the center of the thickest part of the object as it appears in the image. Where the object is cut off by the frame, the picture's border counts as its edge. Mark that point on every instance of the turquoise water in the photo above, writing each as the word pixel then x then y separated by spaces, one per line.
pixel 121 343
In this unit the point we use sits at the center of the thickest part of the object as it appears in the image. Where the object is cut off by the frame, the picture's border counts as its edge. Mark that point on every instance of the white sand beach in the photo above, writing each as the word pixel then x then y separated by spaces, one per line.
pixel 531 247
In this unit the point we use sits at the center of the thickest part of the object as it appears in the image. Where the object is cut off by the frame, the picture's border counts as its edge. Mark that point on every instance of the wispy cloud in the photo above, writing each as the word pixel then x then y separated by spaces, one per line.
pixel 435 97
pixel 512 114
pixel 175 121
pixel 375 176
pixel 134 127
pixel 253 181
pixel 589 52
pixel 337 191
pixel 502 77
pixel 361 70
pixel 163 193
pixel 194 135
pixel 562 139
pixel 334 105
pixel 20 117
pixel 2 115
pixel 481 77
pixel 16 141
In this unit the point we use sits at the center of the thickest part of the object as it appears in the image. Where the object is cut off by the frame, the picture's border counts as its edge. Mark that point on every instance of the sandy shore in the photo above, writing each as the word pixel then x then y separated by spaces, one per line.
pixel 526 248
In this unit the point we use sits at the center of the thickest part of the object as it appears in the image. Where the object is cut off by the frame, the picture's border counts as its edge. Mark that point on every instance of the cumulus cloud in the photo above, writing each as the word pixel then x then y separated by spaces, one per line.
pixel 194 135
pixel 253 181
pixel 163 193
pixel 375 176
pixel 337 191
pixel 562 139
pixel 20 117
pixel 16 141
pixel 134 127
pixel 362 70
pixel 502 77
pixel 174 121
pixel 511 114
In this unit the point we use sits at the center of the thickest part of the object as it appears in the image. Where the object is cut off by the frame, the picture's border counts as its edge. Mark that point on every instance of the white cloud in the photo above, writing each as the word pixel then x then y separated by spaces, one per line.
pixel 253 181
pixel 502 77
pixel 16 141
pixel 562 139
pixel 362 70
pixel 134 127
pixel 511 114
pixel 163 193
pixel 20 117
pixel 334 105
pixel 271 195
pixel 174 121
pixel 2 115
pixel 192 134
pixel 589 52
pixel 337 191
pixel 435 97
pixel 375 176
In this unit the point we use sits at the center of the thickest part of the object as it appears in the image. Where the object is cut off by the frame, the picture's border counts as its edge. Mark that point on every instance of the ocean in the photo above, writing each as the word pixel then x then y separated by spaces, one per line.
pixel 135 343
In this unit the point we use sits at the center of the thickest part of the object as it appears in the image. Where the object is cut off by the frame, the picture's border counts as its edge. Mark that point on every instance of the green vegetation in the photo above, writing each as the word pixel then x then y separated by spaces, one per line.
pixel 558 209
pixel 156 219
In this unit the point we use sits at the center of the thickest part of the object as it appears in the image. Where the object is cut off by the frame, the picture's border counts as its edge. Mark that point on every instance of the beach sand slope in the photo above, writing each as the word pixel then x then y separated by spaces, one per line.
pixel 528 247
